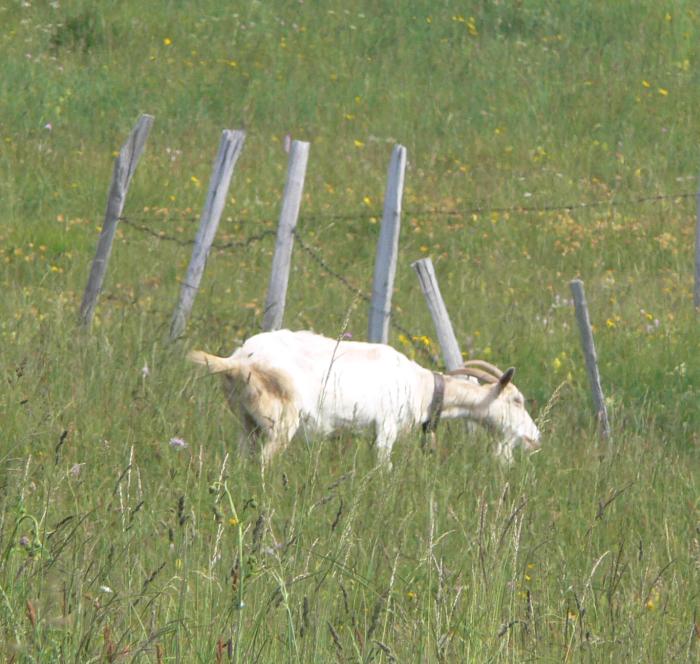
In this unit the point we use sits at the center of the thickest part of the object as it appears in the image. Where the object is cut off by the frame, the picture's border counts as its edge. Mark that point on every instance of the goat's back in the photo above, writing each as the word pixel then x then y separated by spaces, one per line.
pixel 338 383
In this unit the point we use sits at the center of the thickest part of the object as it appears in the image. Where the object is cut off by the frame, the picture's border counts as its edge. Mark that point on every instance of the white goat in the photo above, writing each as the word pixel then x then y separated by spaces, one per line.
pixel 279 381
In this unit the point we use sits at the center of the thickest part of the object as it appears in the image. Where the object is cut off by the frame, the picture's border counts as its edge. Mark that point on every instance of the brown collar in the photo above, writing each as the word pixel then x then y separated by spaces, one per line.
pixel 435 408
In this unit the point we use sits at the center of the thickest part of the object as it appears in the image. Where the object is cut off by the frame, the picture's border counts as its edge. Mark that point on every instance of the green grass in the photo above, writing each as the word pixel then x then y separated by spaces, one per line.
pixel 116 545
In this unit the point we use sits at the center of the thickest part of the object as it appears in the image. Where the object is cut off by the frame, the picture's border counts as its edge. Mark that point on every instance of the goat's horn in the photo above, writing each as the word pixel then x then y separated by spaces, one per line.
pixel 475 373
pixel 486 366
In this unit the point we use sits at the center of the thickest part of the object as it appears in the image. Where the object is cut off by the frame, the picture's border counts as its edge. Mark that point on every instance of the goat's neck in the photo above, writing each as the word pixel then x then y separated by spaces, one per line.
pixel 465 399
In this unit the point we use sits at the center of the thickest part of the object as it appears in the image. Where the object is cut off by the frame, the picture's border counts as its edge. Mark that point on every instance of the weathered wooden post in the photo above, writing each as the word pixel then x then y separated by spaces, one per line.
pixel 443 326
pixel 696 297
pixel 387 249
pixel 230 149
pixel 281 262
pixel 124 167
pixel 589 354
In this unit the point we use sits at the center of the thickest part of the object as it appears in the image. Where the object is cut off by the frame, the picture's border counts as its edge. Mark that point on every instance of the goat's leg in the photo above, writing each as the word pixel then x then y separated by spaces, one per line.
pixel 384 441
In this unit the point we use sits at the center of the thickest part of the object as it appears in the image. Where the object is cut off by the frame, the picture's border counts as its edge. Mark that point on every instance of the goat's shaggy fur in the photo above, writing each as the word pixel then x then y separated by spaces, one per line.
pixel 281 381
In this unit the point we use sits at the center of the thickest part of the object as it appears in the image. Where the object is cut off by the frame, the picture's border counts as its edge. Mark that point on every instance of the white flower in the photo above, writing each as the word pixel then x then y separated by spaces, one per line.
pixel 177 443
pixel 75 470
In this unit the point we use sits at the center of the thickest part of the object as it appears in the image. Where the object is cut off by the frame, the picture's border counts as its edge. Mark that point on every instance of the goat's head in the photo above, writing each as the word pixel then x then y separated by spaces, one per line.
pixel 503 407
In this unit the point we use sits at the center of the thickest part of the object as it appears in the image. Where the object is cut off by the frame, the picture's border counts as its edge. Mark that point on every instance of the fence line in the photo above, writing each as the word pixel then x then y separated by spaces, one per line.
pixel 316 256
pixel 438 212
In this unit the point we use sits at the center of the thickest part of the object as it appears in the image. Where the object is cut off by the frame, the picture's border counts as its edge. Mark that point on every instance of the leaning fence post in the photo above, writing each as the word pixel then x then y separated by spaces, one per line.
pixel 124 167
pixel 696 298
pixel 387 249
pixel 281 262
pixel 230 149
pixel 443 326
pixel 589 354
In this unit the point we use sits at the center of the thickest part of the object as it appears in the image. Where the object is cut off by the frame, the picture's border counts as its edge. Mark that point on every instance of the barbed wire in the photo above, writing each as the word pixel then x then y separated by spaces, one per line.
pixel 315 255
pixel 411 212
pixel 528 209
pixel 234 244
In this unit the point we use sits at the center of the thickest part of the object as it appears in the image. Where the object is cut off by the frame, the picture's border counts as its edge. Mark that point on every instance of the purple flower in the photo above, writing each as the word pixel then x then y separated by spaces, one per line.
pixel 177 443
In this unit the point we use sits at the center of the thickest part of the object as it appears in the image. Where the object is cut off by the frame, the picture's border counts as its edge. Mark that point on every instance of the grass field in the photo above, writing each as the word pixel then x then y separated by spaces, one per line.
pixel 546 141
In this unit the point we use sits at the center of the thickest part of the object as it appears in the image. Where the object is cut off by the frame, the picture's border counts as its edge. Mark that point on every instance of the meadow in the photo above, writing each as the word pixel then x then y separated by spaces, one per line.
pixel 546 141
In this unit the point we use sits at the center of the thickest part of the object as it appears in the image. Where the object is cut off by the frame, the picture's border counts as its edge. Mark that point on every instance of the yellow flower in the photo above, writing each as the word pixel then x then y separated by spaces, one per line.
pixel 663 92
pixel 367 201
pixel 358 143
pixel 196 181
pixel 233 521
pixel 646 84
pixel 167 41
pixel 610 323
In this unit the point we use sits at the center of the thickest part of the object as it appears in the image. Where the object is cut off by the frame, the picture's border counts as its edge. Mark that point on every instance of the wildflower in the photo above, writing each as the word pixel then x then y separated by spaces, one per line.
pixel 167 41
pixel 646 84
pixel 367 201
pixel 75 470
pixel 196 181
pixel 106 589
pixel 177 443
pixel 233 521
pixel 146 372
pixel 24 542
pixel 411 596
pixel 358 143
pixel 48 126
pixel 663 92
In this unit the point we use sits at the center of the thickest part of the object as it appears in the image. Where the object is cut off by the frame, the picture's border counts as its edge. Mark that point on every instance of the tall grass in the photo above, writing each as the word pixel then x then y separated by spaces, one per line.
pixel 128 526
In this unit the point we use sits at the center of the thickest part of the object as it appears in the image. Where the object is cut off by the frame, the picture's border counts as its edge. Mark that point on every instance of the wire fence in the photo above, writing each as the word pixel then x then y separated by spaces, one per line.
pixel 139 224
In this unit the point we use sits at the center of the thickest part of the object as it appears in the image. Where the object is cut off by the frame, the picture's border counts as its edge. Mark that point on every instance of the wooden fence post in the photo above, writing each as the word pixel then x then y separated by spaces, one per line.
pixel 443 326
pixel 387 249
pixel 289 214
pixel 230 149
pixel 589 354
pixel 124 167
pixel 696 297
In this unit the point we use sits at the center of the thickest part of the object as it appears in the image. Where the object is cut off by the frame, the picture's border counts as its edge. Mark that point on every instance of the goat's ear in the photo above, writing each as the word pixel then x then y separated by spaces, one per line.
pixel 506 378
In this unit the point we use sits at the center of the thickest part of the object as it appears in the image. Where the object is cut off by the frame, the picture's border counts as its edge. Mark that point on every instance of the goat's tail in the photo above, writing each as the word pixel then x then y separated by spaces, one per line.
pixel 213 363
